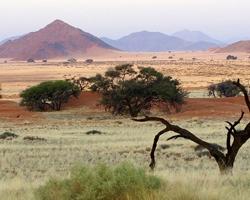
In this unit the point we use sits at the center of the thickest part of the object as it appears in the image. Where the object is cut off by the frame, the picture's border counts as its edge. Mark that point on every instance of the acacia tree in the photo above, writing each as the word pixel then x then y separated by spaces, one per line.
pixel 49 94
pixel 126 91
pixel 225 161
pixel 223 89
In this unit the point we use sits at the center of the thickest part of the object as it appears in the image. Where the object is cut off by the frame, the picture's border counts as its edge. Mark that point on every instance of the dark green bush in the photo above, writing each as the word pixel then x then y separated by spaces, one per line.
pixel 49 95
pixel 124 182
pixel 6 135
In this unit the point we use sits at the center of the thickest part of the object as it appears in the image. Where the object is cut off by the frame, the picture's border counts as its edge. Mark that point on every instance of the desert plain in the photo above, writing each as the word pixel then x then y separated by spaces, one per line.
pixel 26 164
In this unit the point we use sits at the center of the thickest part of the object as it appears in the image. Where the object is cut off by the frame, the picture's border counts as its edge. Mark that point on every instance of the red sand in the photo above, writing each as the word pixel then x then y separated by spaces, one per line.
pixel 194 107
pixel 11 110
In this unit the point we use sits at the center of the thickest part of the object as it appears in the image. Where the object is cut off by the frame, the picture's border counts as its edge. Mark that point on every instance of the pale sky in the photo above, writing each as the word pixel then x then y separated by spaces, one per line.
pixel 221 19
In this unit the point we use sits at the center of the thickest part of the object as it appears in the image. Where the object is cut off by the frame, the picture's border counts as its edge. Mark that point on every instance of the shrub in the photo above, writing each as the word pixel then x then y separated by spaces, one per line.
pixel 89 61
pixel 30 60
pixel 48 95
pixel 126 91
pixel 230 57
pixel 223 89
pixel 7 135
pixel 94 132
pixel 124 182
pixel 72 60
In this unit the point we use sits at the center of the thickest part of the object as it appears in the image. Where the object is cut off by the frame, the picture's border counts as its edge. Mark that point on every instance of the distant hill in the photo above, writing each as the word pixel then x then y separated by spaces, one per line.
pixel 9 39
pixel 56 40
pixel 241 46
pixel 146 41
pixel 201 46
pixel 196 36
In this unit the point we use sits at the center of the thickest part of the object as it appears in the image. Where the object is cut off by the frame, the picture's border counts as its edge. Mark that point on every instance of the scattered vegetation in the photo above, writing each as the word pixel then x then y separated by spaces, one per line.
pixel 8 135
pixel 230 57
pixel 30 60
pixel 124 182
pixel 94 132
pixel 126 91
pixel 89 61
pixel 34 138
pixel 49 95
pixel 223 89
pixel 72 61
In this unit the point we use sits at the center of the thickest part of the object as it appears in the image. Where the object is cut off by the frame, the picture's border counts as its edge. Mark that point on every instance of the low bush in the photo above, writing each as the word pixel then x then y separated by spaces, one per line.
pixel 8 135
pixel 124 182
pixel 94 132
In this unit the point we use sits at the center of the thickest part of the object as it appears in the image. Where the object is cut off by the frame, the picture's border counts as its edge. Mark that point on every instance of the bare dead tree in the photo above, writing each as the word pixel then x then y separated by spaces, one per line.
pixel 235 138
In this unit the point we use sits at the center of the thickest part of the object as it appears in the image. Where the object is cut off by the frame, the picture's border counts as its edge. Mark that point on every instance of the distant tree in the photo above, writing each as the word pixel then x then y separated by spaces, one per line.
pixel 72 60
pixel 44 60
pixel 89 61
pixel 154 57
pixel 48 95
pixel 30 60
pixel 230 57
pixel 223 89
pixel 126 91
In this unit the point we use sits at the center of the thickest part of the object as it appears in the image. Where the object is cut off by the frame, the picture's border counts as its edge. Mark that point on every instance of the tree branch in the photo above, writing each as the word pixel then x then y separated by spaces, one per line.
pixel 244 91
pixel 218 155
pixel 152 154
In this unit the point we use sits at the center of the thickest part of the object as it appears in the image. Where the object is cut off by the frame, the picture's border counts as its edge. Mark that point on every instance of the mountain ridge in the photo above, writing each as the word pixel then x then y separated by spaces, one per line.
pixel 146 41
pixel 57 39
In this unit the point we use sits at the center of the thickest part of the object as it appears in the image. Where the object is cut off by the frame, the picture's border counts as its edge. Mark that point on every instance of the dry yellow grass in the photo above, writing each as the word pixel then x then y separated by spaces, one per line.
pixel 26 164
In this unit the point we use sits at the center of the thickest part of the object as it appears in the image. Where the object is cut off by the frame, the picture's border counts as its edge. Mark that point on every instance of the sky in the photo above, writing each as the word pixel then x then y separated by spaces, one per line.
pixel 221 19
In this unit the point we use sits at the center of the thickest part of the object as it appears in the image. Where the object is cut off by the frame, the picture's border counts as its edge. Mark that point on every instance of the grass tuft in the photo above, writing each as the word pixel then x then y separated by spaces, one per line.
pixel 123 182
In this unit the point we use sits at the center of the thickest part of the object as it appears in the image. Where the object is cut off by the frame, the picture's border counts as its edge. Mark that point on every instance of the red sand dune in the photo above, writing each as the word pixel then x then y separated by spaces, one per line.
pixel 89 99
pixel 11 110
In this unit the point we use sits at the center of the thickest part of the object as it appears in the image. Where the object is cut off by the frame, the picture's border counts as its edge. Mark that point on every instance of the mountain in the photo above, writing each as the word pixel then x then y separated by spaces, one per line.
pixel 146 41
pixel 9 39
pixel 201 46
pixel 56 40
pixel 195 36
pixel 241 46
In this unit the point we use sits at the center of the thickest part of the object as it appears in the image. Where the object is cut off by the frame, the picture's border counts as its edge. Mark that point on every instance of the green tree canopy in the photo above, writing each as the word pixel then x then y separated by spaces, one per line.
pixel 127 91
pixel 49 95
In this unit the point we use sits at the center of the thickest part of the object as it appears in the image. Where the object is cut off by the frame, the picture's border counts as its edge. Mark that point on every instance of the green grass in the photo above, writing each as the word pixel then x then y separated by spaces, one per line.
pixel 123 182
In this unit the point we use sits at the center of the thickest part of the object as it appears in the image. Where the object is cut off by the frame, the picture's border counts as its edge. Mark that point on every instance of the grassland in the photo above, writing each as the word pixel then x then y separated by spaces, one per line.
pixel 26 165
